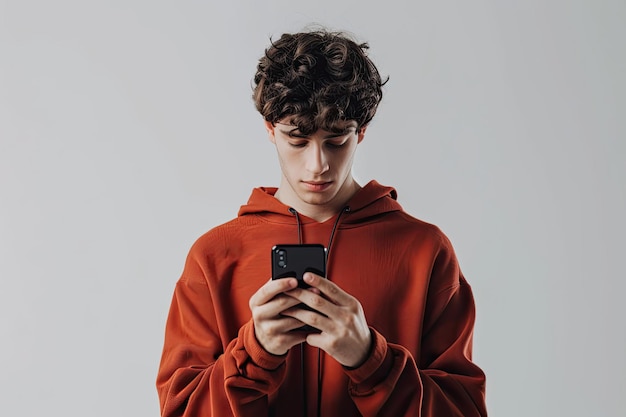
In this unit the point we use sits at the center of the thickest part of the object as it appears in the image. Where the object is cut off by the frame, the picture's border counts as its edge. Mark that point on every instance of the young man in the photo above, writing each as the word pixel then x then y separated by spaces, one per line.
pixel 394 316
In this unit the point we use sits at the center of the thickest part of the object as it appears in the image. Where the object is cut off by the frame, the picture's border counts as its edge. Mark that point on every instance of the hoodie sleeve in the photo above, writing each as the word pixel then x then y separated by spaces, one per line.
pixel 443 380
pixel 201 375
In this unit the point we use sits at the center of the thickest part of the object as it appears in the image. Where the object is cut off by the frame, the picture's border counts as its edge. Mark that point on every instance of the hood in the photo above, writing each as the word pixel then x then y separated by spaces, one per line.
pixel 370 201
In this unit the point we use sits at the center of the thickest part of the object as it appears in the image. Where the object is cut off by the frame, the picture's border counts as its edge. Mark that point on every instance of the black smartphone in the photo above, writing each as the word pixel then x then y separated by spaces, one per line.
pixel 295 260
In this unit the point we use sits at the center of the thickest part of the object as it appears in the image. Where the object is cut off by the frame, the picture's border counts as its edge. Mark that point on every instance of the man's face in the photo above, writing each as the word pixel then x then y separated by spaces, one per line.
pixel 316 168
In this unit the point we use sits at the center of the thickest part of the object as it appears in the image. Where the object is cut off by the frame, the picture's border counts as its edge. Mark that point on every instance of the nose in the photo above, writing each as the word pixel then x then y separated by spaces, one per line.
pixel 316 160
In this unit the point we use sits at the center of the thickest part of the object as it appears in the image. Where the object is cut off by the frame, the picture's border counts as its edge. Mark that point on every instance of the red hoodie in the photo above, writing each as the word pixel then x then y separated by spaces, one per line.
pixel 404 272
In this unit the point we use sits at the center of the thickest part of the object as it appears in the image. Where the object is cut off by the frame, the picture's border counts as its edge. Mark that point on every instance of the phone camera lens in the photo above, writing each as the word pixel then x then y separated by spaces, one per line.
pixel 282 258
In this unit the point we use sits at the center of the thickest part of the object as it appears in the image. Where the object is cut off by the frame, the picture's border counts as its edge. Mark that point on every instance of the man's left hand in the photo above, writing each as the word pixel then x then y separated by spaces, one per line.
pixel 344 333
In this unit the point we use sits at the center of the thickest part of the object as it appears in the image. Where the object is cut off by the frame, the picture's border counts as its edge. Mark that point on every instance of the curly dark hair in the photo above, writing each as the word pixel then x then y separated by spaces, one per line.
pixel 317 79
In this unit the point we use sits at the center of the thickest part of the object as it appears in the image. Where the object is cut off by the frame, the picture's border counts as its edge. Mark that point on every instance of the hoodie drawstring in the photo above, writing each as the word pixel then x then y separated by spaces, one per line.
pixel 293 211
pixel 346 209
pixel 299 224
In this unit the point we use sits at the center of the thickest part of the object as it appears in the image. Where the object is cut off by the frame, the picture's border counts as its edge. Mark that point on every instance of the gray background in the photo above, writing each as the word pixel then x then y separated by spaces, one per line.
pixel 127 130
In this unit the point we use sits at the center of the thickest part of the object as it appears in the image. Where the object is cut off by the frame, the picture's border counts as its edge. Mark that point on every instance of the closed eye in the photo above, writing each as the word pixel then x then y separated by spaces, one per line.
pixel 298 144
pixel 335 145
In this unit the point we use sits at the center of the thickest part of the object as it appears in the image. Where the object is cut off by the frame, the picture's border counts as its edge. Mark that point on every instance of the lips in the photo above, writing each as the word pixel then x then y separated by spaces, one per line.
pixel 317 185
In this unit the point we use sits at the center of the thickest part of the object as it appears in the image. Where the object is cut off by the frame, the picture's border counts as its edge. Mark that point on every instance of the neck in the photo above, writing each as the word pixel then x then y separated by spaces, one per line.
pixel 318 212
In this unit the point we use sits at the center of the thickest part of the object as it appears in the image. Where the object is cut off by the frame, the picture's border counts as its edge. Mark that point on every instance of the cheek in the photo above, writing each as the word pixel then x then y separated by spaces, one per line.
pixel 288 161
pixel 344 160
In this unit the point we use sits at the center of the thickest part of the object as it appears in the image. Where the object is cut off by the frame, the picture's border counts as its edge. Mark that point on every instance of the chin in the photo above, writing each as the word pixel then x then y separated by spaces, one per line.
pixel 317 199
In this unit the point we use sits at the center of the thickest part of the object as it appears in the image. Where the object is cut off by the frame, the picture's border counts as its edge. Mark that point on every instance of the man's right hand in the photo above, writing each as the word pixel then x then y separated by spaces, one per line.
pixel 273 330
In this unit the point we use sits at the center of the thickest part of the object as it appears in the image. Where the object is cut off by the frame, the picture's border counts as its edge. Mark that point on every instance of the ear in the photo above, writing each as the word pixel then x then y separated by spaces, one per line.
pixel 361 133
pixel 269 126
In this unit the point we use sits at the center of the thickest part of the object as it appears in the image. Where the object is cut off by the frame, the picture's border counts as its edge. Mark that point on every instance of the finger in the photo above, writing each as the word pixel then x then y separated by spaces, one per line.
pixel 283 324
pixel 277 336
pixel 313 299
pixel 311 317
pixel 271 289
pixel 328 288
pixel 314 290
pixel 273 308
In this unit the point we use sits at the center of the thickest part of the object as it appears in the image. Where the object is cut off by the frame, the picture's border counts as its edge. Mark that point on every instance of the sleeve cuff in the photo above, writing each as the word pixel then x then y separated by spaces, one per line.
pixel 377 366
pixel 258 355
